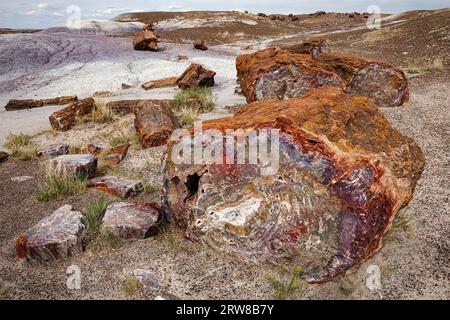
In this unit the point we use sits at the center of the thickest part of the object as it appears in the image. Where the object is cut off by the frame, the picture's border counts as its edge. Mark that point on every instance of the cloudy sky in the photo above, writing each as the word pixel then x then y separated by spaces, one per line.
pixel 41 13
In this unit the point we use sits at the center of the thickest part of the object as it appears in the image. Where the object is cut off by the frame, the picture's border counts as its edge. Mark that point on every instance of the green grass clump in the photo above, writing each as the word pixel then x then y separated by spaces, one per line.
pixel 288 285
pixel 100 114
pixel 190 103
pixel 21 146
pixel 149 188
pixel 131 286
pixel 57 185
pixel 436 66
pixel 94 214
pixel 412 70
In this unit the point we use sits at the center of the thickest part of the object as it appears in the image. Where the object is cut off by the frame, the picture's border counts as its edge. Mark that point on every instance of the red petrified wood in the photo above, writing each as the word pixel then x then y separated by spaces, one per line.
pixel 343 175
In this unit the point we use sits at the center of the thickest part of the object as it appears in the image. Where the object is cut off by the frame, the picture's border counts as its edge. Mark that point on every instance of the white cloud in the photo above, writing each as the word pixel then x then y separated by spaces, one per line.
pixel 42 5
pixel 31 13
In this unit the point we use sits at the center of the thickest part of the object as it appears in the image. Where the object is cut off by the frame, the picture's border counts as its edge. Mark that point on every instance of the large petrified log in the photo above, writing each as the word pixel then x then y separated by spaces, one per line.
pixel 64 119
pixel 17 104
pixel 145 39
pixel 127 106
pixel 343 174
pixel 196 76
pixel 154 123
pixel 279 74
pixel 160 83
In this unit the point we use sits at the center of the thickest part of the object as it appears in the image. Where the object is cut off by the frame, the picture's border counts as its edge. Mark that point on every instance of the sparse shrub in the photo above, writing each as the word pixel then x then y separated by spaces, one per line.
pixel 74 149
pixel 94 215
pixel 187 116
pixel 412 70
pixel 288 285
pixel 403 223
pixel 124 137
pixel 131 285
pixel 436 66
pixel 21 146
pixel 149 188
pixel 173 239
pixel 199 99
pixel 111 239
pixel 57 186
pixel 100 114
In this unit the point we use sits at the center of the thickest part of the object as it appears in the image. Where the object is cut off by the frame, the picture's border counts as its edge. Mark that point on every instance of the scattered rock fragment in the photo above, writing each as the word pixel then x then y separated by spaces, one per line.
pixel 76 164
pixel 161 83
pixel 3 156
pixel 131 220
pixel 147 278
pixel 21 178
pixel 200 44
pixel 343 174
pixel 125 86
pixel 54 150
pixel 63 120
pixel 118 187
pixel 117 154
pixel 154 123
pixel 196 76
pixel 182 57
pixel 16 104
pixel 146 39
pixel 90 149
pixel 59 235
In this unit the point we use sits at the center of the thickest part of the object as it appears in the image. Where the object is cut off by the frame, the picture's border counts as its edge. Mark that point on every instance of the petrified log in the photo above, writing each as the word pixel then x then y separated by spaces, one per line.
pixel 312 47
pixel 118 187
pixel 16 104
pixel 279 74
pixel 154 123
pixel 343 174
pixel 196 76
pixel 161 83
pixel 59 235
pixel 63 120
pixel 200 44
pixel 127 106
pixel 145 39
pixel 75 164
pixel 54 150
pixel 131 220
pixel 385 85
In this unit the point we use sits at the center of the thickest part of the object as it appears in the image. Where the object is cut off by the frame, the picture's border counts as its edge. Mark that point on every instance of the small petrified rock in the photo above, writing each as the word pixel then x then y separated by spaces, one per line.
pixel 117 154
pixel 128 106
pixel 4 156
pixel 146 39
pixel 125 86
pixel 21 178
pixel 339 176
pixel 196 76
pixel 75 164
pixel 16 104
pixel 147 278
pixel 182 57
pixel 154 123
pixel 131 220
pixel 63 120
pixel 59 235
pixel 161 83
pixel 54 150
pixel 118 187
pixel 90 149
pixel 200 44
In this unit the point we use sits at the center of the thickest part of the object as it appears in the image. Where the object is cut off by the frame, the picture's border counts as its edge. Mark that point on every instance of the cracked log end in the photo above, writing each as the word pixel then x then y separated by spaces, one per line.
pixel 344 173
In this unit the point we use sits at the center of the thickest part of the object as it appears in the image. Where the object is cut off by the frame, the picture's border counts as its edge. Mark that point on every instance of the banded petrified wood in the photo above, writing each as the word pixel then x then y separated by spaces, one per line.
pixel 279 74
pixel 344 173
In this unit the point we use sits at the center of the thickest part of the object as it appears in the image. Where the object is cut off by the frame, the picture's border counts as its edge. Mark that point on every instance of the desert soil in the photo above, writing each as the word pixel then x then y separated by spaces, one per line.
pixel 414 261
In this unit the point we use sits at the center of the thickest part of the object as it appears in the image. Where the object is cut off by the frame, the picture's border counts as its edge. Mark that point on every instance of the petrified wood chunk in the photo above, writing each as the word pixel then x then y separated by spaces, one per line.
pixel 75 164
pixel 196 76
pixel 145 39
pixel 56 236
pixel 4 156
pixel 63 120
pixel 161 83
pixel 16 104
pixel 343 174
pixel 383 84
pixel 312 47
pixel 54 150
pixel 127 106
pixel 154 123
pixel 117 154
pixel 116 186
pixel 129 220
pixel 90 149
pixel 278 74
pixel 200 44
